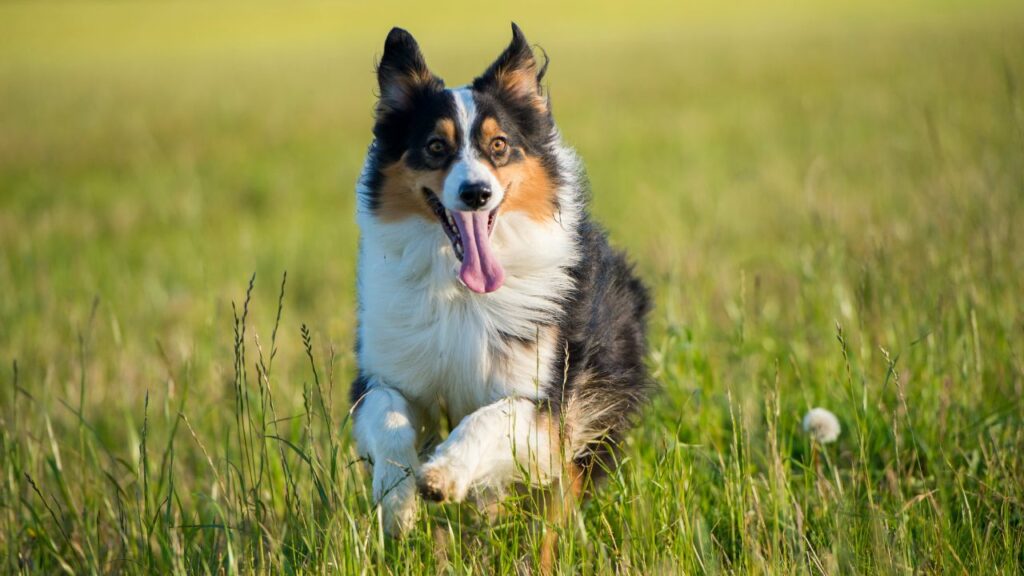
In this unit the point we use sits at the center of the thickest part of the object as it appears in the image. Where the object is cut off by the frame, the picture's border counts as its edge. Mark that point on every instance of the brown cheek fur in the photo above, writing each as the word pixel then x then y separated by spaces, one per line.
pixel 401 194
pixel 530 190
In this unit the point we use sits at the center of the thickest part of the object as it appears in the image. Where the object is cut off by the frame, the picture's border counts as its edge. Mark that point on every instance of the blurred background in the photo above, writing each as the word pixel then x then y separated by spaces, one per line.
pixel 774 168
pixel 153 155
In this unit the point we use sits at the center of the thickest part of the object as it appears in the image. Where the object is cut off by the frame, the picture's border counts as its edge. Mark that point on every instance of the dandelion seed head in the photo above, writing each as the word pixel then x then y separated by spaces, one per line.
pixel 822 425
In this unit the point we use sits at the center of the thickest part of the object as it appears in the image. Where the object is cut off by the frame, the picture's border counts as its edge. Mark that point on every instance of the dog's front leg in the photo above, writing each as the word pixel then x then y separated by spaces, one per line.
pixel 509 440
pixel 385 430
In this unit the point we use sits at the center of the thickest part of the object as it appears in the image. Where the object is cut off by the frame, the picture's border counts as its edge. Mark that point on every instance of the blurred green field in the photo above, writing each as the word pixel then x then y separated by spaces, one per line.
pixel 825 197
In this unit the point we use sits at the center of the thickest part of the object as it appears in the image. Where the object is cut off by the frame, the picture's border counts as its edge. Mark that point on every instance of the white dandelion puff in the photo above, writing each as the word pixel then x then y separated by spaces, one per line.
pixel 822 425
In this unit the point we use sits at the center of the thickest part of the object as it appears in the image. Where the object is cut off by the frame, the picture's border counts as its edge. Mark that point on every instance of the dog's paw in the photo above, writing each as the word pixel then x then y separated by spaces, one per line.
pixel 438 481
pixel 396 495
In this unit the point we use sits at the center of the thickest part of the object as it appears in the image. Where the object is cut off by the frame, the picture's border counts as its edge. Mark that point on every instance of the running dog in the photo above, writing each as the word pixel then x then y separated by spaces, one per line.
pixel 488 297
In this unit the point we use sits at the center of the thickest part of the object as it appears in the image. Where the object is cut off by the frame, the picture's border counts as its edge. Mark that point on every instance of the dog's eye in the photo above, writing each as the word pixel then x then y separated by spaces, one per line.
pixel 499 146
pixel 435 147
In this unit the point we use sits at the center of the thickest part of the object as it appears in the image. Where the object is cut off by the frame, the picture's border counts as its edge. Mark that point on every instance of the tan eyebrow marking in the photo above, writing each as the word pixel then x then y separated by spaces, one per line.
pixel 446 129
pixel 490 128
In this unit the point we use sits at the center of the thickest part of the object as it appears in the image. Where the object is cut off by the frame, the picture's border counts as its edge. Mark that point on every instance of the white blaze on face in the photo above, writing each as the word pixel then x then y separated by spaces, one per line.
pixel 468 166
pixel 481 271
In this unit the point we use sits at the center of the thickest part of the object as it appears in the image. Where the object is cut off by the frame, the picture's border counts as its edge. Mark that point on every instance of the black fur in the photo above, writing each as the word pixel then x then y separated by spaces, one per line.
pixel 358 388
pixel 603 335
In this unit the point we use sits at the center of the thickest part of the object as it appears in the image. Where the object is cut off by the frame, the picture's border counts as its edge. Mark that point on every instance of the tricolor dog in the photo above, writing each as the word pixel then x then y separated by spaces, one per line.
pixel 488 297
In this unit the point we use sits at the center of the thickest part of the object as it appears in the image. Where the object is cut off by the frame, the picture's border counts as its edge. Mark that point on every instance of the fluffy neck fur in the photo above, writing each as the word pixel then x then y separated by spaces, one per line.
pixel 413 258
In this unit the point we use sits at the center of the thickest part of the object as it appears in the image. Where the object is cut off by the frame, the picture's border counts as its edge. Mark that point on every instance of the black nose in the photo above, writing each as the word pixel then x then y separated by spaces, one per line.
pixel 474 194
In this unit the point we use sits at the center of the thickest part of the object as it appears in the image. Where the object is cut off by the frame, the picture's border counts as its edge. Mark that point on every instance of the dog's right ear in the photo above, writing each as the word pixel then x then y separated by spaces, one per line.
pixel 402 72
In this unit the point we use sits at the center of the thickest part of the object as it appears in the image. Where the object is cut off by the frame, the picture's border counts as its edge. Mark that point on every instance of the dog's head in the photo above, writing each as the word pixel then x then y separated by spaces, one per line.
pixel 463 158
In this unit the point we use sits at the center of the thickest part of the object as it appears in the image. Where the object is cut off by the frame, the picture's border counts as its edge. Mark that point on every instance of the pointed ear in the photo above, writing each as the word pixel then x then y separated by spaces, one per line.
pixel 516 72
pixel 402 72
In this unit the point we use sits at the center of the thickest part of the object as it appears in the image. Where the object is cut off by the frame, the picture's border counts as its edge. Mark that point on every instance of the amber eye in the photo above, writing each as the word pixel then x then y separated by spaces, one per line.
pixel 436 147
pixel 499 146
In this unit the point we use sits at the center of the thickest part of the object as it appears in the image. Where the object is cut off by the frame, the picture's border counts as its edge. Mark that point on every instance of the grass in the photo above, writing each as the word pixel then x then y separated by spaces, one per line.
pixel 826 201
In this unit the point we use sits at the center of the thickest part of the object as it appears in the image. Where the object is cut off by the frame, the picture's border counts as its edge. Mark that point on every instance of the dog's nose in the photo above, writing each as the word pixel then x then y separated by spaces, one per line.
pixel 474 194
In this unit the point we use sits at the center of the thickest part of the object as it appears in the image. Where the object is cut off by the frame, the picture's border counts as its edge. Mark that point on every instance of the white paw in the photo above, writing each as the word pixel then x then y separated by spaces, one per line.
pixel 395 492
pixel 440 481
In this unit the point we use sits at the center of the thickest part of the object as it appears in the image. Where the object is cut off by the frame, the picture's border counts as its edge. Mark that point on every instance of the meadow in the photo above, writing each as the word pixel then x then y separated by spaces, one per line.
pixel 825 198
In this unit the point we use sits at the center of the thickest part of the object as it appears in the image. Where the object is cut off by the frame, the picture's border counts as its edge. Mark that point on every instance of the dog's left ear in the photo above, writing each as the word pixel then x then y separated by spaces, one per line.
pixel 516 72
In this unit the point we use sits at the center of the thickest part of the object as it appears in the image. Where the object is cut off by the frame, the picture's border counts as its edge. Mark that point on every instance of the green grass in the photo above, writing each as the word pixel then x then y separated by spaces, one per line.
pixel 826 201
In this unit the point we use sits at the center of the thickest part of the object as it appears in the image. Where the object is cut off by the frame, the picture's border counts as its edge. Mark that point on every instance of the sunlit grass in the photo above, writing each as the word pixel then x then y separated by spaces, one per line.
pixel 826 202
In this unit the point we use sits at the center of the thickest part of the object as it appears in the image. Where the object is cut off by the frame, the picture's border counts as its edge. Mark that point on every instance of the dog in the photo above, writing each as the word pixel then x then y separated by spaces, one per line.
pixel 488 297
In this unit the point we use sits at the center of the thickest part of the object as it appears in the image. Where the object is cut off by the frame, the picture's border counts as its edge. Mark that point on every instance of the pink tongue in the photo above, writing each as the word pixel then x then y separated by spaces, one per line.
pixel 481 272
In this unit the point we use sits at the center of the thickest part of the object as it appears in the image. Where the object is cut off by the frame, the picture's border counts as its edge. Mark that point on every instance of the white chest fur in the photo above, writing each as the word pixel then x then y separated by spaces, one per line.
pixel 426 335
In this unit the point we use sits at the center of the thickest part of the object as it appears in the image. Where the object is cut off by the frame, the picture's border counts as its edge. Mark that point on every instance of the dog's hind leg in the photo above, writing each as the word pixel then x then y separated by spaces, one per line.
pixel 385 428
pixel 509 440
pixel 563 498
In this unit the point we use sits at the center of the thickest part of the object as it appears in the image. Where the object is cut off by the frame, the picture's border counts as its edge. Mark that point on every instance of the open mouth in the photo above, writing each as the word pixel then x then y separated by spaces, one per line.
pixel 451 229
pixel 470 235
